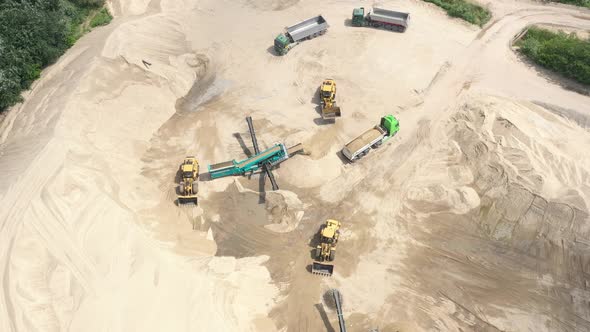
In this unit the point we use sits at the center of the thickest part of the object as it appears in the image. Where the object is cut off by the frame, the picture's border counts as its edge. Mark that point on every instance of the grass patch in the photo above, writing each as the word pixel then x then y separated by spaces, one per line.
pixel 563 53
pixel 102 17
pixel 462 9
pixel 581 3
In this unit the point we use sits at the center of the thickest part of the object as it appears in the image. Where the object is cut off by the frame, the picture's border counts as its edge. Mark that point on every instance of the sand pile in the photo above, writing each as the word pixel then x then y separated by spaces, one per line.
pixel 285 210
pixel 498 203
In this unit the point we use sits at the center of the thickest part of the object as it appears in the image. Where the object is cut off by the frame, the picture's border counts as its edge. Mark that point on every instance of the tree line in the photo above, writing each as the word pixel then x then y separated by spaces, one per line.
pixel 33 34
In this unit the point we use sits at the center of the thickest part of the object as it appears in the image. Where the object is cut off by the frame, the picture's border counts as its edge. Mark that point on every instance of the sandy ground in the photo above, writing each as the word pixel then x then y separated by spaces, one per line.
pixel 473 218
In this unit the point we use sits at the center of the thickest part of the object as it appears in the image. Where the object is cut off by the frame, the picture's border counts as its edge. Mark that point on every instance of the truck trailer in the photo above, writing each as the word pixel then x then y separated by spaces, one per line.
pixel 308 29
pixel 371 139
pixel 388 19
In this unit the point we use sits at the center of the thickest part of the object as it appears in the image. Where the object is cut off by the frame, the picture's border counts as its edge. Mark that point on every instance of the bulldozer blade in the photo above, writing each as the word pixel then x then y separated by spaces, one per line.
pixel 331 113
pixel 322 269
pixel 187 200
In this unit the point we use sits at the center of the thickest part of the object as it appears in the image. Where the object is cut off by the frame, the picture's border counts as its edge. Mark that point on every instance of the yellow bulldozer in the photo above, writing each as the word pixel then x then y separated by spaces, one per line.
pixel 328 98
pixel 325 251
pixel 189 170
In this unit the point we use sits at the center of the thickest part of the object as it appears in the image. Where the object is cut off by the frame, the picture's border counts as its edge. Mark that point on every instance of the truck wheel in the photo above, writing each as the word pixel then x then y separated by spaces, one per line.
pixel 332 255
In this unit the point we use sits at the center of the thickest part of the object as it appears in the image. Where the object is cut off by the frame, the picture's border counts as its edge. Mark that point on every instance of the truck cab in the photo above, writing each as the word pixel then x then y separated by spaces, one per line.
pixel 390 124
pixel 358 17
pixel 282 44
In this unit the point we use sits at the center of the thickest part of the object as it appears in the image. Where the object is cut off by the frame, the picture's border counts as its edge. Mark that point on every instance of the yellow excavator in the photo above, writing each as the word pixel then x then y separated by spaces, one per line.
pixel 326 251
pixel 328 97
pixel 189 170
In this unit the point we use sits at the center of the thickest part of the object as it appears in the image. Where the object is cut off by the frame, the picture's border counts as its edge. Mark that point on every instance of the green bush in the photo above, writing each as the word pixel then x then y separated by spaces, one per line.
pixel 563 53
pixel 103 17
pixel 467 11
pixel 581 3
pixel 33 34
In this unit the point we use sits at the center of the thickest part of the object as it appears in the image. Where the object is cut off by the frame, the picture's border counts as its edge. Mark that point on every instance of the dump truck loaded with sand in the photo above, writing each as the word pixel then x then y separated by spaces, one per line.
pixel 371 139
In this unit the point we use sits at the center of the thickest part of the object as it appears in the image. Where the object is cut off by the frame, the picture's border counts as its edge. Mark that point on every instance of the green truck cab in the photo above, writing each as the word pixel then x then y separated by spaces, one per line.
pixel 282 43
pixel 358 17
pixel 391 125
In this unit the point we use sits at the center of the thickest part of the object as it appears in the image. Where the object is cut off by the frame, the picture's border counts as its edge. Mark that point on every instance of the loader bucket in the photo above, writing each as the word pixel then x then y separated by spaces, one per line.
pixel 322 269
pixel 187 199
pixel 331 113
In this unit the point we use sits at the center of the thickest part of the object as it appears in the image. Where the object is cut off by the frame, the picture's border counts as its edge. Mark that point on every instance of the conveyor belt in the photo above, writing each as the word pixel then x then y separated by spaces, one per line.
pixel 259 157
pixel 267 165
pixel 336 294
pixel 218 166
pixel 295 149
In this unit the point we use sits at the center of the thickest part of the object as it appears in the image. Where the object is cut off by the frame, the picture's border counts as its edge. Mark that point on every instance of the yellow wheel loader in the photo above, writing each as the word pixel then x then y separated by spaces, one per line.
pixel 326 251
pixel 189 170
pixel 328 98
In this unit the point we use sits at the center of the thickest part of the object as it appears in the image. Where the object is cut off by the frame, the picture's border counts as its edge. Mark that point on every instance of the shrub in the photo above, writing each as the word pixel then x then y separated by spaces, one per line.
pixel 103 17
pixel 581 3
pixel 467 11
pixel 560 52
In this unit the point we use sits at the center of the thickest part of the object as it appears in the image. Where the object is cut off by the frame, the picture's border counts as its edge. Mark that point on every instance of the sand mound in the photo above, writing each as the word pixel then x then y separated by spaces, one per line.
pixel 285 210
pixel 532 186
pixel 438 198
pixel 272 4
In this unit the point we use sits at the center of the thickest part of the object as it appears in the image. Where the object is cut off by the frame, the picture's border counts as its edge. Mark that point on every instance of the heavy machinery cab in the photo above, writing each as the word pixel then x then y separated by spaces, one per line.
pixel 281 43
pixel 190 167
pixel 358 17
pixel 330 231
pixel 390 124
pixel 328 88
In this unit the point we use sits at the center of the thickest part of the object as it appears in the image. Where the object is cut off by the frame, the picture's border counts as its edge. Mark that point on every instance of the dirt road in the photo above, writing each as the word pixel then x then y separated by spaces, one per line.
pixel 473 218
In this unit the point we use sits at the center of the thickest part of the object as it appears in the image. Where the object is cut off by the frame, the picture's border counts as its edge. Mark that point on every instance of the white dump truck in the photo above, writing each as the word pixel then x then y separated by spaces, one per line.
pixel 308 29
pixel 371 139
pixel 381 18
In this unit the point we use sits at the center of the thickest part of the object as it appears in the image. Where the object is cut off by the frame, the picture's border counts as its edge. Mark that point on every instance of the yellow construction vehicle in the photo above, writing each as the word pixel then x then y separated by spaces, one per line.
pixel 328 97
pixel 189 171
pixel 326 250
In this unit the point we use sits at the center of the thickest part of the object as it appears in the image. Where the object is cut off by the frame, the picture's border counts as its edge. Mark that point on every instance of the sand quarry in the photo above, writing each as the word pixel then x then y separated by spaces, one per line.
pixel 475 217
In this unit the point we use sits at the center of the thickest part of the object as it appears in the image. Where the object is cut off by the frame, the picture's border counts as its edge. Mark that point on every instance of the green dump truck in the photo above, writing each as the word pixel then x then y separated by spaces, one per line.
pixel 381 18
pixel 371 139
pixel 308 29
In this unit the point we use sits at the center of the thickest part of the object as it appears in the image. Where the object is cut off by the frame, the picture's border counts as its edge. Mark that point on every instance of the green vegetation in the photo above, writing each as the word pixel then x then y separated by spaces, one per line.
pixel 581 3
pixel 102 17
pixel 465 10
pixel 33 34
pixel 563 53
